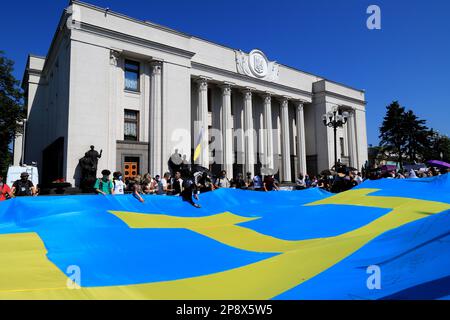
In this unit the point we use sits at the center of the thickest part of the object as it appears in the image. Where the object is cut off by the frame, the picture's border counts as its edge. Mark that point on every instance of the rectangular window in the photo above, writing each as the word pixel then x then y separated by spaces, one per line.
pixel 132 73
pixel 131 125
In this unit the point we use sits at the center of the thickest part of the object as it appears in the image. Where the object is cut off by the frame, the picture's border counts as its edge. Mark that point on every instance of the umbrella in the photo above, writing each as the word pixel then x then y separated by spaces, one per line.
pixel 438 163
pixel 197 168
pixel 419 166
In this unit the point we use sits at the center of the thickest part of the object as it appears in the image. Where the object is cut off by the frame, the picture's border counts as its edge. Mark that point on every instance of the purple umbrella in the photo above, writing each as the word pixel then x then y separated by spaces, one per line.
pixel 439 163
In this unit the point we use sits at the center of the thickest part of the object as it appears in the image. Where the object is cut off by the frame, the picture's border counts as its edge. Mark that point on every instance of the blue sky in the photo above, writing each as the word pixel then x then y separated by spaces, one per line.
pixel 407 60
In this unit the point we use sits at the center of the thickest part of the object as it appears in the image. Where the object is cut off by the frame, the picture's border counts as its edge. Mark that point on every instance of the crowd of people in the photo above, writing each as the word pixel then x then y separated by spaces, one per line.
pixel 185 185
pixel 188 184
pixel 410 174
pixel 339 181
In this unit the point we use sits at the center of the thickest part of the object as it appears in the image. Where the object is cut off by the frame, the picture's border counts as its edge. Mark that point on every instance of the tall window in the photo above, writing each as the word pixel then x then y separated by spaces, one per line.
pixel 131 75
pixel 341 140
pixel 131 129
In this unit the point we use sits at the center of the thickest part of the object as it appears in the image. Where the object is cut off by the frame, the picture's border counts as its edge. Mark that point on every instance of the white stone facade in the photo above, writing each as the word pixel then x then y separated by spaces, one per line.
pixel 76 97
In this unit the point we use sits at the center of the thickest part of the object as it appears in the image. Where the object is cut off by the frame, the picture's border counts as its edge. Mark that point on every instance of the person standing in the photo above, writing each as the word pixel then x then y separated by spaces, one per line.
pixel 163 184
pixel 300 182
pixel 222 181
pixel 270 183
pixel 177 184
pixel 249 180
pixel 240 183
pixel 5 191
pixel 307 181
pixel 136 188
pixel 358 178
pixel 119 185
pixel 148 185
pixel 314 182
pixel 104 185
pixel 204 183
pixel 257 183
pixel 23 187
pixel 190 189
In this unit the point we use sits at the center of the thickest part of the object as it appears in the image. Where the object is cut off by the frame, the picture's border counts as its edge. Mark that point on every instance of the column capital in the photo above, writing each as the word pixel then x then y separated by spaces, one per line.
pixel 248 92
pixel 226 88
pixel 284 102
pixel 156 66
pixel 350 110
pixel 267 96
pixel 114 56
pixel 202 83
pixel 299 104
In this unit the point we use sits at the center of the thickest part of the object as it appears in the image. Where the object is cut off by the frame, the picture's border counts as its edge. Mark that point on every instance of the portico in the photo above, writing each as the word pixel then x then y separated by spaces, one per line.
pixel 254 127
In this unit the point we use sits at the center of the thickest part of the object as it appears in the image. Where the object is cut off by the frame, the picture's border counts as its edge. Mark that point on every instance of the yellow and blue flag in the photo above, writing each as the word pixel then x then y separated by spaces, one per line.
pixel 198 145
pixel 386 239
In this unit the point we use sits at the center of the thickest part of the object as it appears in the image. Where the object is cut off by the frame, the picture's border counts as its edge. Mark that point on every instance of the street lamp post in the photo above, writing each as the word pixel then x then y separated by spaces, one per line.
pixel 333 119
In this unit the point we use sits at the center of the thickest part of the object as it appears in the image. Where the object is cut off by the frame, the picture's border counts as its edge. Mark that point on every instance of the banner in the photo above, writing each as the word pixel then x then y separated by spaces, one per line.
pixel 386 239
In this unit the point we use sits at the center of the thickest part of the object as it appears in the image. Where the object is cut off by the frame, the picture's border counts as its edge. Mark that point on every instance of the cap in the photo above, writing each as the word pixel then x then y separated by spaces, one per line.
pixel 24 174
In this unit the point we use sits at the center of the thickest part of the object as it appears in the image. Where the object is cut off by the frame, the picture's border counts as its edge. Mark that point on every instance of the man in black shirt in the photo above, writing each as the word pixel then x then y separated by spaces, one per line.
pixel 204 183
pixel 190 189
pixel 23 187
pixel 177 184
pixel 270 184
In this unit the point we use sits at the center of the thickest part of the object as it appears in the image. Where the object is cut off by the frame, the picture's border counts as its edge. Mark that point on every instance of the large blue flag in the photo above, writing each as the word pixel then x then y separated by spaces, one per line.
pixel 386 239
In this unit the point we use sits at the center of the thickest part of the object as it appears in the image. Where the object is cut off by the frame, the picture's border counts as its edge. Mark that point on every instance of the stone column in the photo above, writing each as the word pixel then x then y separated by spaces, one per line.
pixel 248 131
pixel 268 131
pixel 155 137
pixel 114 109
pixel 301 142
pixel 351 136
pixel 285 143
pixel 227 136
pixel 202 122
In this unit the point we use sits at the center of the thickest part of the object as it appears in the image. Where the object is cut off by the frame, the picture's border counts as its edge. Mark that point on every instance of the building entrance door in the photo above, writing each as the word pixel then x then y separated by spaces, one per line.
pixel 131 167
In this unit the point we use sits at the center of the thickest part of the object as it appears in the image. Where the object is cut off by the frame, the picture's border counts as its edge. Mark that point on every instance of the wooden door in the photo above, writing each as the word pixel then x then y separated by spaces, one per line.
pixel 131 170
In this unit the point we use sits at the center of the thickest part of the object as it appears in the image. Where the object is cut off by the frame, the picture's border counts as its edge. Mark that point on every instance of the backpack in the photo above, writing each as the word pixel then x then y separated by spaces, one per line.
pixel 23 189
pixel 100 185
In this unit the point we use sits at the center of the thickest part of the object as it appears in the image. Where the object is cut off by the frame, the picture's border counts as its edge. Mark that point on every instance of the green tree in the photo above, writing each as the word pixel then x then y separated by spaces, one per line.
pixel 392 131
pixel 416 136
pixel 438 147
pixel 11 110
pixel 404 136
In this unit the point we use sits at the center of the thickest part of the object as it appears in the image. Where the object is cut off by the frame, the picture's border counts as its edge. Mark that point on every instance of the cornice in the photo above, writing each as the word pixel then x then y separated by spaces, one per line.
pixel 111 34
pixel 341 96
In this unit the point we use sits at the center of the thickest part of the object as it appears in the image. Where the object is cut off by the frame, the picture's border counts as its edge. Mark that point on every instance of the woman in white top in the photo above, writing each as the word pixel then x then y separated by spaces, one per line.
pixel 119 185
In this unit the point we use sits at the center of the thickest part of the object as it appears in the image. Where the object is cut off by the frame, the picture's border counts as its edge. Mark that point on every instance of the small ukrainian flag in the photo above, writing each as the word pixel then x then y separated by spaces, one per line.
pixel 198 145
